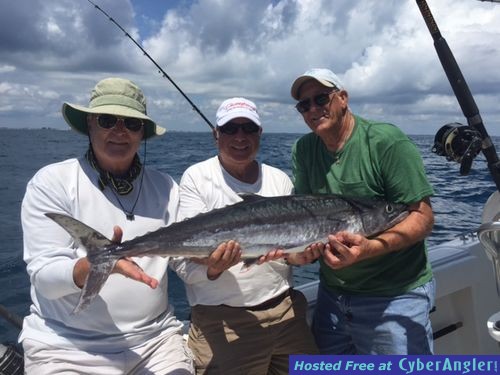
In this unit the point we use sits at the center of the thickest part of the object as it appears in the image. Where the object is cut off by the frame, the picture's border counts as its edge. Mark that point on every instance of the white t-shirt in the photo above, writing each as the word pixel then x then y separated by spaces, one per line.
pixel 126 313
pixel 204 187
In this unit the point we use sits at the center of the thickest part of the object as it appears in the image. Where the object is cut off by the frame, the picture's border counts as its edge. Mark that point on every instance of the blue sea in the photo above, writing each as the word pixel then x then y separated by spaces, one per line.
pixel 457 204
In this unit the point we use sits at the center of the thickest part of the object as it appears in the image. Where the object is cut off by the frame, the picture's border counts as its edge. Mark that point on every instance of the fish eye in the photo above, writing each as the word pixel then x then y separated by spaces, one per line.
pixel 389 209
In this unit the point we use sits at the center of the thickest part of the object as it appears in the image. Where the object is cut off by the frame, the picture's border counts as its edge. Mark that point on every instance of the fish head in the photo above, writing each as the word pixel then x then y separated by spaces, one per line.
pixel 383 216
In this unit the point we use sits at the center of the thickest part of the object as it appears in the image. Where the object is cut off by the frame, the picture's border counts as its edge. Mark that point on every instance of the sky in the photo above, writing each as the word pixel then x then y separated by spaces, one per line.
pixel 56 51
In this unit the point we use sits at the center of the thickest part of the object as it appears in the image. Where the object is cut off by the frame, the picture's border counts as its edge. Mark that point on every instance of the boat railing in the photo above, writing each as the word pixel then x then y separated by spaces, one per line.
pixel 489 236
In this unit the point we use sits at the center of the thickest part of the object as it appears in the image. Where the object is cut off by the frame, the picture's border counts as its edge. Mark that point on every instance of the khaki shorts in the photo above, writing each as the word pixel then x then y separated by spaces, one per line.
pixel 165 354
pixel 257 340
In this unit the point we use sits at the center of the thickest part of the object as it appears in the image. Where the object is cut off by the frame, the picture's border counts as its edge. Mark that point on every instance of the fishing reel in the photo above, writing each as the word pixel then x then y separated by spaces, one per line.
pixel 458 143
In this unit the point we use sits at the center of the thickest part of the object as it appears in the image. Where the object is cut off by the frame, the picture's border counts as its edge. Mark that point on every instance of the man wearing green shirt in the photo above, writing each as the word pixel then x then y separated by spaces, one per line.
pixel 375 294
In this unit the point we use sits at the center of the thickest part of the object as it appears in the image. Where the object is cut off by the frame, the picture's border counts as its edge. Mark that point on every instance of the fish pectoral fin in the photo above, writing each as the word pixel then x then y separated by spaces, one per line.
pixel 96 278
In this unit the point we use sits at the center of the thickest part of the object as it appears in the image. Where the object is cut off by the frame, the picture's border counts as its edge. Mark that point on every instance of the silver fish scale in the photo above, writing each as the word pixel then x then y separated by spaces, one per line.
pixel 292 225
pixel 261 224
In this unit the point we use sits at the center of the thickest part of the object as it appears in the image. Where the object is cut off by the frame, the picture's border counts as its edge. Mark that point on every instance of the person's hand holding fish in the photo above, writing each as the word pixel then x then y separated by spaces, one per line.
pixel 345 248
pixel 310 254
pixel 225 256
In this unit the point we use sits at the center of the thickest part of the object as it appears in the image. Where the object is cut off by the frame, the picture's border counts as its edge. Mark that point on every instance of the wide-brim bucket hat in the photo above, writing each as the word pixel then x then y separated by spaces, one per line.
pixel 112 96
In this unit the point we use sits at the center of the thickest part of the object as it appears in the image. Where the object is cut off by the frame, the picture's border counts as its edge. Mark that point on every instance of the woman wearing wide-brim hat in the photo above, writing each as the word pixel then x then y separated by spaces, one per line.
pixel 129 326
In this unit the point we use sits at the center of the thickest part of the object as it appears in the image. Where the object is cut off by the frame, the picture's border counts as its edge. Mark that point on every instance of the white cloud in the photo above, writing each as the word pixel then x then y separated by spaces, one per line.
pixel 214 49
pixel 164 104
pixel 7 68
pixel 5 88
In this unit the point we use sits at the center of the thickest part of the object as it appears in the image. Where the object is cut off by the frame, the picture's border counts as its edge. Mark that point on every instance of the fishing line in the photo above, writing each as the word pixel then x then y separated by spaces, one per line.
pixel 164 74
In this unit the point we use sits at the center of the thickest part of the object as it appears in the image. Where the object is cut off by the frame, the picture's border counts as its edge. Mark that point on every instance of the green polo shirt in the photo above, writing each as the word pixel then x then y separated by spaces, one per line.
pixel 378 161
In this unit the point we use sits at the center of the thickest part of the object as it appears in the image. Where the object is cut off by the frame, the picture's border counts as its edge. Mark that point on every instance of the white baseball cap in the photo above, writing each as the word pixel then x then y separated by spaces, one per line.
pixel 324 76
pixel 237 107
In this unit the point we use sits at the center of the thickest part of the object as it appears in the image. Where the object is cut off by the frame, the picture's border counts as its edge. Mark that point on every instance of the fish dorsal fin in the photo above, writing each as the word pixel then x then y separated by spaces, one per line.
pixel 250 197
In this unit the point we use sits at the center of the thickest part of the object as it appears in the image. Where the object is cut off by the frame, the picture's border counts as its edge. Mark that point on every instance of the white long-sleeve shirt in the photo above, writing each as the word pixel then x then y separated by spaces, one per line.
pixel 206 186
pixel 126 312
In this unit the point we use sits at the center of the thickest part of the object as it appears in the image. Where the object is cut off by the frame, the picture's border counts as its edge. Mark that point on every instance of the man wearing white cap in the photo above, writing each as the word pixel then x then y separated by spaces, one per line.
pixel 130 327
pixel 375 294
pixel 241 322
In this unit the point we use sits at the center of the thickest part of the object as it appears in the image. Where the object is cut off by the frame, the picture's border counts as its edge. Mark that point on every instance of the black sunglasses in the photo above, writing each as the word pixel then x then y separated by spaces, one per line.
pixel 320 100
pixel 109 122
pixel 231 128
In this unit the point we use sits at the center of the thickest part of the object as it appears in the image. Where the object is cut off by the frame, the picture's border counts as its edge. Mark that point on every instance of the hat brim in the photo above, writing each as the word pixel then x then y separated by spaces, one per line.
pixel 295 91
pixel 76 117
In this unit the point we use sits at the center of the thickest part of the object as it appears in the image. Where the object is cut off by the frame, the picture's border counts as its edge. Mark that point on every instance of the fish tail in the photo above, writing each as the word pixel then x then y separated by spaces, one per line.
pixel 98 274
pixel 98 253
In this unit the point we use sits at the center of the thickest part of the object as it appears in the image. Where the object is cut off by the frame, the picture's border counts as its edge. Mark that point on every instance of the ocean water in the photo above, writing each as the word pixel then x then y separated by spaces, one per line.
pixel 457 204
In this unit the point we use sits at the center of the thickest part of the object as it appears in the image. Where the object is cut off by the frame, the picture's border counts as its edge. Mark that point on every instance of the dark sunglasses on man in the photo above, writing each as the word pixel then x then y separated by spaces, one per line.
pixel 320 100
pixel 231 128
pixel 106 121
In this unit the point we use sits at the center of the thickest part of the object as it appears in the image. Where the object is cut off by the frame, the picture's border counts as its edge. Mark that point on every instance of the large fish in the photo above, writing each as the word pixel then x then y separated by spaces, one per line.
pixel 259 224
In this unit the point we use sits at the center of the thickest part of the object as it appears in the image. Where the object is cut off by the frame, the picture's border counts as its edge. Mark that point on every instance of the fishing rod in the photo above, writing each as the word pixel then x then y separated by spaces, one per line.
pixel 460 143
pixel 165 75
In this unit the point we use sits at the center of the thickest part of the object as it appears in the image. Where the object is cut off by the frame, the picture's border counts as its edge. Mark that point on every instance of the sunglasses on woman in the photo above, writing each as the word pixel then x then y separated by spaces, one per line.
pixel 110 121
pixel 320 100
pixel 231 128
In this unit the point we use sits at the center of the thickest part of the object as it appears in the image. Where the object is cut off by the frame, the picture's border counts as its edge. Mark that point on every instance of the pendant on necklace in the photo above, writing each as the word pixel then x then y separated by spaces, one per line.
pixel 130 216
